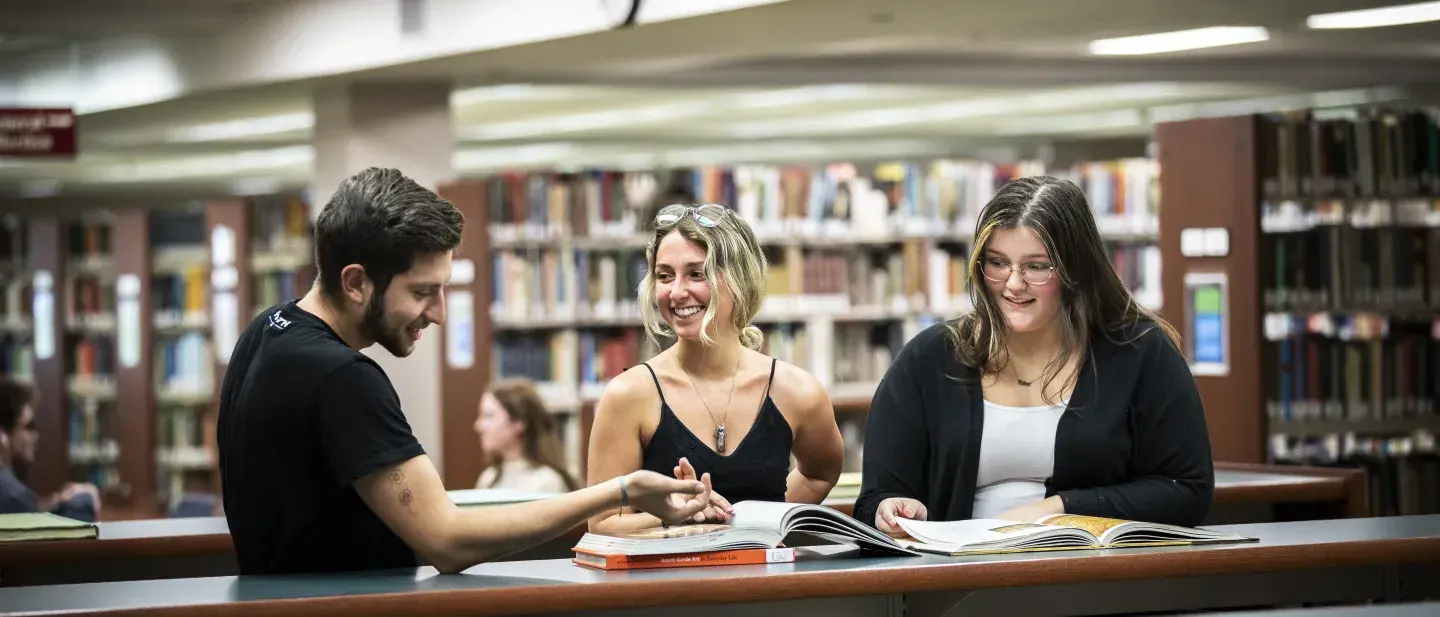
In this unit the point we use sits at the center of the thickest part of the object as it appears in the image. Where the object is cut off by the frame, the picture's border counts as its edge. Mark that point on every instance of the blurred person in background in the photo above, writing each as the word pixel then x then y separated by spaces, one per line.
pixel 517 436
pixel 18 437
pixel 712 406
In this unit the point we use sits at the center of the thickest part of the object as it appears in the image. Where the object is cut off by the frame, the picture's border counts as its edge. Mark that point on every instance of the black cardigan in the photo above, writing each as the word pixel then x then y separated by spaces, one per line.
pixel 1132 444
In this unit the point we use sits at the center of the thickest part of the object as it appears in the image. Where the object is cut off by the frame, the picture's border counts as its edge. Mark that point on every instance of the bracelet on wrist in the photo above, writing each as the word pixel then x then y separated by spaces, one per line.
pixel 624 497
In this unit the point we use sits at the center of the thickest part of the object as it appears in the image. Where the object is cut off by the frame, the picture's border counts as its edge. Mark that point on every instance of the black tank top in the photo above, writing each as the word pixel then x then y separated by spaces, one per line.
pixel 756 467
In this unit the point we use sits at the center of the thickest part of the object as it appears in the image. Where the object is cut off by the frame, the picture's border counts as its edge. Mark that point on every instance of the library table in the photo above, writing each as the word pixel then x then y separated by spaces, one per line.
pixel 1401 609
pixel 172 548
pixel 1345 560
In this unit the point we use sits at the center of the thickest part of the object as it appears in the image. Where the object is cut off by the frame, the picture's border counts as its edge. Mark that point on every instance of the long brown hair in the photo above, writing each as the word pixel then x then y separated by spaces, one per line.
pixel 542 446
pixel 1093 298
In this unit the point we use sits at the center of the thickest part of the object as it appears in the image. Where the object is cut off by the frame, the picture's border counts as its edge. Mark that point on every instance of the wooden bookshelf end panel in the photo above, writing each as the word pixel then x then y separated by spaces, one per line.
pixel 1208 181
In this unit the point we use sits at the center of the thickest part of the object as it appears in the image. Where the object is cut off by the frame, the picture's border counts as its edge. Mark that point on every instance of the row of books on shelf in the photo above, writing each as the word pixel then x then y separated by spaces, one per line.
pixel 15 299
pixel 17 356
pixel 1402 468
pixel 1350 152
pixel 184 368
pixel 279 224
pixel 1351 367
pixel 941 197
pixel 1334 264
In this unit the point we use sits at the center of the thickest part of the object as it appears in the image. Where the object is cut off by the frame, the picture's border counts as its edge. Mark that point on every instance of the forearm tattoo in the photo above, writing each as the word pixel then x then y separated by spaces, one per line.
pixel 397 478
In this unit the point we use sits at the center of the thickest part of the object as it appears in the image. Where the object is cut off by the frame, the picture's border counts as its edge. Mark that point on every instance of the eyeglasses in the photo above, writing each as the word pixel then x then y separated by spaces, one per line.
pixel 707 215
pixel 1034 273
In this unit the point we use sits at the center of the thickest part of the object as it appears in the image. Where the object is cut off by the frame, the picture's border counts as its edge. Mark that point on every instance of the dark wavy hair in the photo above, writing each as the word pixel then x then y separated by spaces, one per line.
pixel 1094 301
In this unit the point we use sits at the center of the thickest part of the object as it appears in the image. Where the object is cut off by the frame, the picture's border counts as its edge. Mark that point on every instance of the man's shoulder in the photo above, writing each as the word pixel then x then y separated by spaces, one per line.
pixel 296 338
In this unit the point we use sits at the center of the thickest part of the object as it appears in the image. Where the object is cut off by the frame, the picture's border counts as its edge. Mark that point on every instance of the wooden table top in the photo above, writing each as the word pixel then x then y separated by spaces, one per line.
pixel 209 535
pixel 558 585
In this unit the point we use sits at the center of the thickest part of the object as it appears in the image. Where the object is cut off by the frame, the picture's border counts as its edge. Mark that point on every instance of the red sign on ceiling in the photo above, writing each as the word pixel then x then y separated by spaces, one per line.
pixel 37 132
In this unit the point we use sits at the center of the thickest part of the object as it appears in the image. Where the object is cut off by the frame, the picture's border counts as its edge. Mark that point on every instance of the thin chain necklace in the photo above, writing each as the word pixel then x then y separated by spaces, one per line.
pixel 720 425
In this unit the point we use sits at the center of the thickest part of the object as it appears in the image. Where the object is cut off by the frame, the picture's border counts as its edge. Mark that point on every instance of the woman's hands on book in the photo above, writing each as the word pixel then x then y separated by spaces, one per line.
pixel 719 509
pixel 898 507
pixel 668 499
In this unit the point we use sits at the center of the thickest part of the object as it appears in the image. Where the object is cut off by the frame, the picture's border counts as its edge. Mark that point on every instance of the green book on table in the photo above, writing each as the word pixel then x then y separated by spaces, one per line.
pixel 32 526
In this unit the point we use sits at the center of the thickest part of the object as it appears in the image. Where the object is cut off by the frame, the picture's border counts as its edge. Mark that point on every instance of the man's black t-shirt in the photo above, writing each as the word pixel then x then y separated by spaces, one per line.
pixel 302 417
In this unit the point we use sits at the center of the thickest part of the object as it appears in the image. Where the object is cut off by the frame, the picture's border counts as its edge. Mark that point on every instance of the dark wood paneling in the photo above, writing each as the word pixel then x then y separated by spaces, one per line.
pixel 1208 179
pixel 135 385
pixel 52 460
pixel 461 388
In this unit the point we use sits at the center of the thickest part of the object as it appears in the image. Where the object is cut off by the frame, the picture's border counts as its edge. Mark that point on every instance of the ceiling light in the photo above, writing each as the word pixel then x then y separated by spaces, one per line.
pixel 1039 102
pixel 1180 40
pixel 247 127
pixel 1377 18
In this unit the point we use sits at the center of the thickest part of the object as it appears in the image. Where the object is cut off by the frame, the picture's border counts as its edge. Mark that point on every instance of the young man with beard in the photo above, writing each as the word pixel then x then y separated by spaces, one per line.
pixel 319 467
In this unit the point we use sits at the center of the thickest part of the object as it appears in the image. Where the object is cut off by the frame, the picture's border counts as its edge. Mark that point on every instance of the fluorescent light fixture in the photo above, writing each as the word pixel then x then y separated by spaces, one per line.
pixel 217 165
pixel 1180 40
pixel 588 121
pixel 1078 123
pixel 247 127
pixel 1034 103
pixel 1417 13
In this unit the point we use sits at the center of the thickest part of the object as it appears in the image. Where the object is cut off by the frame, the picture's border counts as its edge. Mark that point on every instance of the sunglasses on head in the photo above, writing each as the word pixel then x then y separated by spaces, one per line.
pixel 707 215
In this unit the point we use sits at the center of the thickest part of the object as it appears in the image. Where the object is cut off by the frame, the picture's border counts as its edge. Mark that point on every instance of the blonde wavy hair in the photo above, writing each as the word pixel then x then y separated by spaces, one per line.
pixel 732 256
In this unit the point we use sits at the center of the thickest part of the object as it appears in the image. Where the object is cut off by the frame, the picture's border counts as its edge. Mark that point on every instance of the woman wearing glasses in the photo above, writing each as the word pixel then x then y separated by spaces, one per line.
pixel 712 406
pixel 1058 394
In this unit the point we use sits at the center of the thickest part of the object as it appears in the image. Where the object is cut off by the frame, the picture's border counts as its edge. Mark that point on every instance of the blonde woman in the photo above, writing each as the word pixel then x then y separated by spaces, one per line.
pixel 711 406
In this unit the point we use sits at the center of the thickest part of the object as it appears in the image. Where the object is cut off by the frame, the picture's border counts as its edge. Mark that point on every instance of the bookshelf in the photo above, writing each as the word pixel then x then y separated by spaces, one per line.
pixel 862 257
pixel 17 352
pixel 1334 275
pixel 90 394
pixel 183 383
pixel 138 316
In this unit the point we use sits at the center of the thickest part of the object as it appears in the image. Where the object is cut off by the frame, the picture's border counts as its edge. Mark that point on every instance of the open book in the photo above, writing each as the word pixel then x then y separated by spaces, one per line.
pixel 32 526
pixel 1054 532
pixel 756 526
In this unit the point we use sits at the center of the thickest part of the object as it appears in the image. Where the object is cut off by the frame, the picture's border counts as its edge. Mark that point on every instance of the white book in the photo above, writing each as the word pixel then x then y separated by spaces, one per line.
pixel 1054 532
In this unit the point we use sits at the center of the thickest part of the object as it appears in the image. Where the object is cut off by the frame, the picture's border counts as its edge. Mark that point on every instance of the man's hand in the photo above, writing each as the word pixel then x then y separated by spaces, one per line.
pixel 669 499
pixel 898 507
pixel 719 509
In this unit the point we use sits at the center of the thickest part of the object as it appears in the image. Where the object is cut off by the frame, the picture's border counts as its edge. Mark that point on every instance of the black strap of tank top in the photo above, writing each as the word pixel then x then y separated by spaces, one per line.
pixel 772 379
pixel 662 392
pixel 657 381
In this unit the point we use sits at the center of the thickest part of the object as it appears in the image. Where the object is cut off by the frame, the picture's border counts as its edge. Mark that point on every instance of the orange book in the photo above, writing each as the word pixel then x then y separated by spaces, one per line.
pixel 737 557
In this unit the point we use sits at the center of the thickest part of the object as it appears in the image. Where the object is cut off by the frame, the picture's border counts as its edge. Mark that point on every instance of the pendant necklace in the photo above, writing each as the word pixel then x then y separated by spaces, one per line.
pixel 719 426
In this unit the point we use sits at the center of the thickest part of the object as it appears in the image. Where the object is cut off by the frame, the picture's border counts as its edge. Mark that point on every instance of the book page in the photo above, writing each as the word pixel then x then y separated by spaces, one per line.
pixel 1097 526
pixel 767 515
pixel 970 532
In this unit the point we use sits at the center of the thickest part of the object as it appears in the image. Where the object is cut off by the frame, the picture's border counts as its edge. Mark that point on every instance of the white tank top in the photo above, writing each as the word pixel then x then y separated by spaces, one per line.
pixel 1017 455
